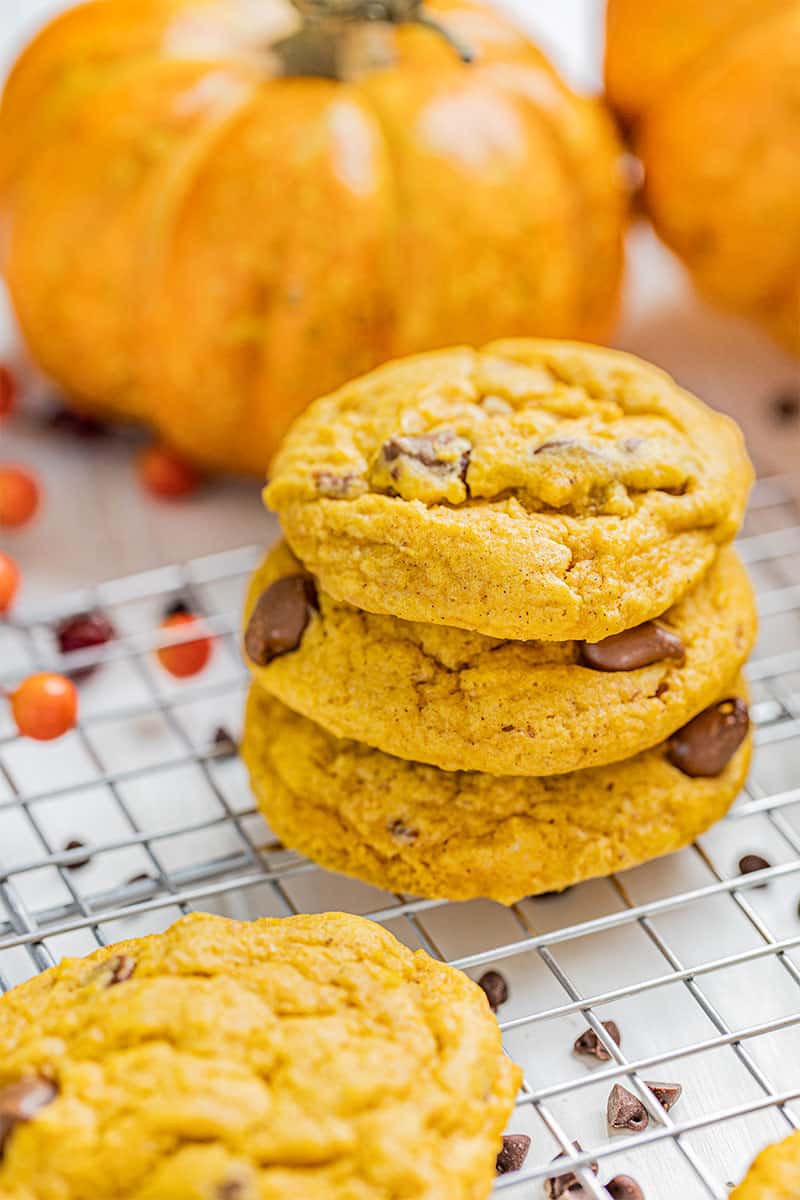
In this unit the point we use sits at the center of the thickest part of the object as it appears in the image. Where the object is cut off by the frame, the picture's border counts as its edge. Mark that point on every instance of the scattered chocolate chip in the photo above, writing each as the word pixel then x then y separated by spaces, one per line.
pixel 336 487
pixel 667 1094
pixel 514 1152
pixel 403 833
pixel 496 988
pixel 590 1045
pixel 622 1187
pixel 785 406
pixel 633 648
pixel 20 1102
pixel 279 619
pixel 559 1185
pixel 77 863
pixel 706 745
pixel 83 632
pixel 753 862
pixel 223 743
pixel 626 1111
pixel 76 424
pixel 179 607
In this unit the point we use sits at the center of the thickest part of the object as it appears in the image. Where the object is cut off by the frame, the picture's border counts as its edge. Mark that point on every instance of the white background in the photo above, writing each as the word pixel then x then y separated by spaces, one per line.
pixel 96 523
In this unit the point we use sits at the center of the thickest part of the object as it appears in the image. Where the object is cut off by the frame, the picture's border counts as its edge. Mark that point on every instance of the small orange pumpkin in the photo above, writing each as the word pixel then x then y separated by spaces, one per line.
pixel 215 210
pixel 711 93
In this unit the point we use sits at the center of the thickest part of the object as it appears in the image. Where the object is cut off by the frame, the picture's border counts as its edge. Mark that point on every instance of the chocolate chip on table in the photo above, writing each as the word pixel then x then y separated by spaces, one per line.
pixel 279 619
pixel 568 1183
pixel 223 743
pixel 667 1094
pixel 753 862
pixel 179 607
pixel 626 1111
pixel 622 1187
pixel 706 745
pixel 77 863
pixel 403 833
pixel 514 1152
pixel 589 1044
pixel 496 988
pixel 20 1102
pixel 632 649
pixel 785 406
pixel 84 631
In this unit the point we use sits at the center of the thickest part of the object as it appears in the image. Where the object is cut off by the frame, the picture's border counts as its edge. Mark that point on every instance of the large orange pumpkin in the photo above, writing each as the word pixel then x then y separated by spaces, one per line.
pixel 215 210
pixel 711 92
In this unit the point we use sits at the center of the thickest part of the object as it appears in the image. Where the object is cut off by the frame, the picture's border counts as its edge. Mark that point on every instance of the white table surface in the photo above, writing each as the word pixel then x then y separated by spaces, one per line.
pixel 97 524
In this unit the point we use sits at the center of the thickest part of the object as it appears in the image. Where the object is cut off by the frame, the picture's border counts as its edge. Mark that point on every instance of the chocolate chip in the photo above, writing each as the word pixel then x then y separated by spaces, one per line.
pixel 589 1043
pixel 77 424
pixel 20 1102
pixel 785 406
pixel 431 460
pixel 559 1185
pixel 706 745
pixel 633 648
pixel 117 969
pixel 514 1152
pixel 403 833
pixel 667 1094
pixel 336 487
pixel 223 743
pixel 496 988
pixel 753 862
pixel 77 863
pixel 557 444
pixel 280 617
pixel 84 631
pixel 622 1187
pixel 626 1111
pixel 179 607
pixel 231 1189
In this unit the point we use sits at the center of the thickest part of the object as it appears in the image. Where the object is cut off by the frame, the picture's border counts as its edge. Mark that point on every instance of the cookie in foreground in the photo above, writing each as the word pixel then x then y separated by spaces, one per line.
pixel 774 1174
pixel 311 1056
pixel 529 490
pixel 457 835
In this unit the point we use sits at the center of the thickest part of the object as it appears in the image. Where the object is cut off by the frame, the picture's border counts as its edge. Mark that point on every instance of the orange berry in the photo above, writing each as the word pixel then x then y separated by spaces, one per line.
pixel 185 658
pixel 8 391
pixel 19 495
pixel 9 581
pixel 166 475
pixel 45 706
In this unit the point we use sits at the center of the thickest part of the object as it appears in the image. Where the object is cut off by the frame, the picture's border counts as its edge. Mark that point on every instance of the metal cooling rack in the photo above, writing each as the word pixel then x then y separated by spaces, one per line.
pixel 698 965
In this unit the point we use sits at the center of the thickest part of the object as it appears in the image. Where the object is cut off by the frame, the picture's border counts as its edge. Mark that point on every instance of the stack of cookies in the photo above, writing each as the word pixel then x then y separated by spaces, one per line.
pixel 500 650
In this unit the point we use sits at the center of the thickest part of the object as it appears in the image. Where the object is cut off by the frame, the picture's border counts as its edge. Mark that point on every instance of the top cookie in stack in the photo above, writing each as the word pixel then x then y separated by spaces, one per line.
pixel 511 561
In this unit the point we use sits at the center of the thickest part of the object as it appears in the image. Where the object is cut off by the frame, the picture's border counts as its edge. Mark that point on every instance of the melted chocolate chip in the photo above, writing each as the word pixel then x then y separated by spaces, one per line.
pixel 335 487
pixel 633 648
pixel 279 619
pixel 514 1152
pixel 117 969
pixel 626 1111
pixel 496 988
pixel 705 746
pixel 559 1185
pixel 590 1045
pixel 403 833
pixel 442 456
pixel 20 1102
pixel 622 1187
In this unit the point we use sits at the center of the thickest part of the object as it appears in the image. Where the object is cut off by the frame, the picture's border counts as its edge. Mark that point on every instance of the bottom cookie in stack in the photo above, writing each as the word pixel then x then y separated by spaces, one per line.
pixel 457 835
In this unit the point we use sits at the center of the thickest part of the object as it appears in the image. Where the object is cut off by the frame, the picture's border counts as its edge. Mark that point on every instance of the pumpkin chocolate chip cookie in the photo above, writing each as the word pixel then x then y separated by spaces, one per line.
pixel 530 490
pixel 774 1175
pixel 463 701
pixel 311 1057
pixel 457 835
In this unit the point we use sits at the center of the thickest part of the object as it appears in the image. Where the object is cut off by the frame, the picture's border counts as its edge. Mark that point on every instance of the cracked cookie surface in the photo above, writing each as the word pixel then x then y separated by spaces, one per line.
pixel 312 1056
pixel 459 835
pixel 530 490
pixel 462 701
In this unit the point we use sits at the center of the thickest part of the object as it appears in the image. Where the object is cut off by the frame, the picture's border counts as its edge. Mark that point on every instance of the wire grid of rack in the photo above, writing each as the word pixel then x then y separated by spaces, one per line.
pixel 698 964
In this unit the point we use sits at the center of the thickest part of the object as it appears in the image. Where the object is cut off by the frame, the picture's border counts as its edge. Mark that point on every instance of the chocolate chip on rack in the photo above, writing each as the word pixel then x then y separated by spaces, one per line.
pixel 559 1185
pixel 279 618
pixel 633 648
pixel 77 863
pixel 224 745
pixel 626 1111
pixel 20 1102
pixel 622 1187
pixel 667 1094
pixel 496 988
pixel 705 746
pixel 589 1044
pixel 429 467
pixel 514 1152
pixel 753 862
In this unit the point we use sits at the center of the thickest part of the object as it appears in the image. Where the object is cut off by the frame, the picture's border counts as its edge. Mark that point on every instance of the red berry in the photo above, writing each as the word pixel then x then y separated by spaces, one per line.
pixel 8 391
pixel 19 495
pixel 166 475
pixel 185 658
pixel 81 632
pixel 9 581
pixel 45 706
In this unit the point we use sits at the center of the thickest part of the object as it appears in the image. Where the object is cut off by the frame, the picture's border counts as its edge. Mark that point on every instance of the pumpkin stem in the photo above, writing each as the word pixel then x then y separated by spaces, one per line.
pixel 315 49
